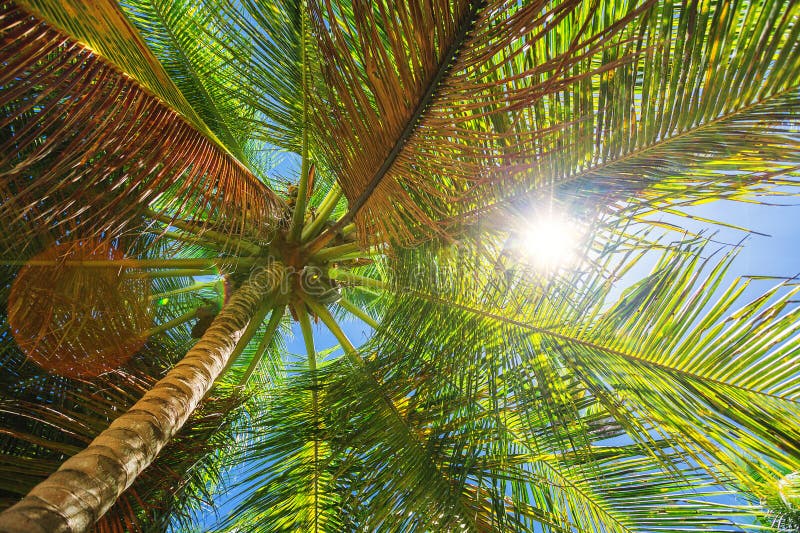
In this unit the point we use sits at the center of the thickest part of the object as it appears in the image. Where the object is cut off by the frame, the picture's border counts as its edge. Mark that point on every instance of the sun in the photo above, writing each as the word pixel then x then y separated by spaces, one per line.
pixel 549 242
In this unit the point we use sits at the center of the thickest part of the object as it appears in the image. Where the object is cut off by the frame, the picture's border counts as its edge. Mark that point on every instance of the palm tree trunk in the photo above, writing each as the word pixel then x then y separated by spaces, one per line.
pixel 88 484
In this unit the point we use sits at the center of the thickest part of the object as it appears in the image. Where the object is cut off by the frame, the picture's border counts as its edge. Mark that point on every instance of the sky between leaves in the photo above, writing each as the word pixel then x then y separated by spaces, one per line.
pixel 772 250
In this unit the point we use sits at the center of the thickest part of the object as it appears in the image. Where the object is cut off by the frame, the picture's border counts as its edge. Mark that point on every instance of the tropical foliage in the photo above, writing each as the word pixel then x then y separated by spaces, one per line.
pixel 224 169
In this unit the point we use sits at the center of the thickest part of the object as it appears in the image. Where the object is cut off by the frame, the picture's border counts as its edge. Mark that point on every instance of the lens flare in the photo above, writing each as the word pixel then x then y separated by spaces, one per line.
pixel 78 321
pixel 549 242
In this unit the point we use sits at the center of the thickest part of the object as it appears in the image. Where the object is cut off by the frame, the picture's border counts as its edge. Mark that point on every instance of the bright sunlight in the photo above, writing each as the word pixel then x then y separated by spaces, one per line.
pixel 549 242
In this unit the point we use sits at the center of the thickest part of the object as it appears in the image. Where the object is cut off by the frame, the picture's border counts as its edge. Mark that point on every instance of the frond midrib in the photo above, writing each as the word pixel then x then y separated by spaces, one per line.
pixel 415 441
pixel 445 67
pixel 175 103
pixel 592 345
pixel 231 143
pixel 664 141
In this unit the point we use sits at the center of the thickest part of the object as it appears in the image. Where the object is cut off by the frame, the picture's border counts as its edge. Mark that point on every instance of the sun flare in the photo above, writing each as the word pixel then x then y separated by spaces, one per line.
pixel 549 242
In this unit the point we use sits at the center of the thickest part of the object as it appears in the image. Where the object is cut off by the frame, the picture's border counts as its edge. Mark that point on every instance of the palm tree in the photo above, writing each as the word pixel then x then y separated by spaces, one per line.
pixel 498 391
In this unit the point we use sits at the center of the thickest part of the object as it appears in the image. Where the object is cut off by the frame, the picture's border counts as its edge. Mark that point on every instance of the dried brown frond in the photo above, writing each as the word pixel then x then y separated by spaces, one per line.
pixel 381 71
pixel 83 144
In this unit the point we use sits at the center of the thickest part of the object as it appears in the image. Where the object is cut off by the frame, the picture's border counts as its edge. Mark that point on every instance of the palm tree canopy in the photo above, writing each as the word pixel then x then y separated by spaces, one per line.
pixel 422 142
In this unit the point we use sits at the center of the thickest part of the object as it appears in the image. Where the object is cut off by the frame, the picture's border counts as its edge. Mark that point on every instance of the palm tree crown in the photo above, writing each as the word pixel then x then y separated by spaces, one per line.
pixel 180 182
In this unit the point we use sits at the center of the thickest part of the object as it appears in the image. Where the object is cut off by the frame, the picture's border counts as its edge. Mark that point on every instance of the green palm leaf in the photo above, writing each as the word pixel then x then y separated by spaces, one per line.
pixel 176 34
pixel 518 100
pixel 666 355
pixel 494 394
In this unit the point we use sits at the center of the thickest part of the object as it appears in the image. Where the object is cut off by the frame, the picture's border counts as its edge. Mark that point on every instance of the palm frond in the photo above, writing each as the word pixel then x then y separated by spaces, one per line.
pixel 503 451
pixel 89 122
pixel 261 46
pixel 288 481
pixel 177 34
pixel 519 100
pixel 718 362
pixel 666 358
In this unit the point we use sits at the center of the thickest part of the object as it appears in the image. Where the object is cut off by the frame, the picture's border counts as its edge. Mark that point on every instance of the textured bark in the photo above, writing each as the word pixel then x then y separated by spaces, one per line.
pixel 88 484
